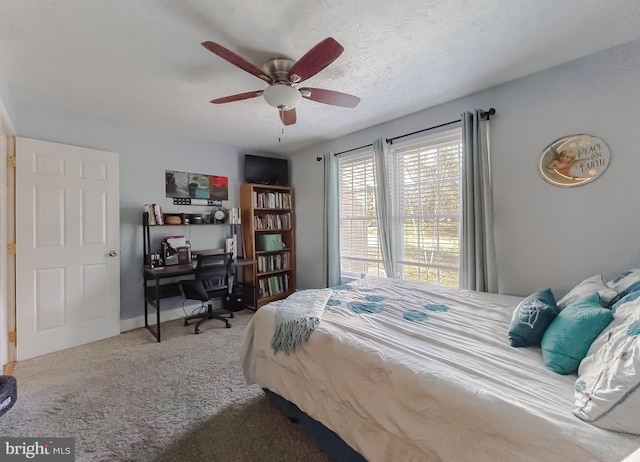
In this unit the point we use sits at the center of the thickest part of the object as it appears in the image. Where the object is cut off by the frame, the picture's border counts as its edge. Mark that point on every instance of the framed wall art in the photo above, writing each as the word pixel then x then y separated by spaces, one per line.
pixel 574 160
pixel 196 186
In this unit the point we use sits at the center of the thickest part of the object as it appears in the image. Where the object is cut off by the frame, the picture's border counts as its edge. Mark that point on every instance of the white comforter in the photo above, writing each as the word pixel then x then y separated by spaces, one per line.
pixel 411 372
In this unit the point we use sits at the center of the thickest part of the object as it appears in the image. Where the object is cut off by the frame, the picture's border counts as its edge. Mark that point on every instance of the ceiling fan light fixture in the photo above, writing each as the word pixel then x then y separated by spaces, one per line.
pixel 282 96
pixel 284 75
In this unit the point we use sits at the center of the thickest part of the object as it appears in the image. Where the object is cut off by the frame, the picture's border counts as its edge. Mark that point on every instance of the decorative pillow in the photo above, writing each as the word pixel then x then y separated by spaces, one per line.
pixel 607 392
pixel 531 318
pixel 626 282
pixel 568 338
pixel 592 285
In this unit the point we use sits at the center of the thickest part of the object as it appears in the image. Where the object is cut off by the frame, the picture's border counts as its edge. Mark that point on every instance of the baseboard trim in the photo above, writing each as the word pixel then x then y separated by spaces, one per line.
pixel 165 315
pixel 7 369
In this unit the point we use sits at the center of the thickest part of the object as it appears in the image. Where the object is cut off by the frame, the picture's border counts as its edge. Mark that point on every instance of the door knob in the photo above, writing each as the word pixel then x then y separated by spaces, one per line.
pixel 113 253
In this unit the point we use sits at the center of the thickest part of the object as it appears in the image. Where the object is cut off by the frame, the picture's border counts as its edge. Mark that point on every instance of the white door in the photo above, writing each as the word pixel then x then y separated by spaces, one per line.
pixel 68 245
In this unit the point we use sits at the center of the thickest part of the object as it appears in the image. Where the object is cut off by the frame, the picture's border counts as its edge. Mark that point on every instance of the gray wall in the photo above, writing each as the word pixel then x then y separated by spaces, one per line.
pixel 6 99
pixel 144 156
pixel 546 236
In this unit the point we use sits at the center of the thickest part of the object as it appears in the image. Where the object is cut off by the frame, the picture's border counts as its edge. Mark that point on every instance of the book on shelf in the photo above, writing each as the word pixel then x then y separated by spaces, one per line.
pixel 150 215
pixel 271 200
pixel 235 217
pixel 157 210
pixel 272 221
pixel 273 285
pixel 276 262
pixel 154 212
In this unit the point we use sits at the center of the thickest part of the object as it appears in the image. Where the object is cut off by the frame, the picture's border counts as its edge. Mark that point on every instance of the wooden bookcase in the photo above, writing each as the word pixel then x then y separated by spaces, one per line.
pixel 268 212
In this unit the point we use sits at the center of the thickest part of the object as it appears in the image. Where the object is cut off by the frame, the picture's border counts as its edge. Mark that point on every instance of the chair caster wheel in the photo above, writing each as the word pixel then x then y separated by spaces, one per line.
pixel 186 323
pixel 197 332
pixel 228 326
pixel 232 315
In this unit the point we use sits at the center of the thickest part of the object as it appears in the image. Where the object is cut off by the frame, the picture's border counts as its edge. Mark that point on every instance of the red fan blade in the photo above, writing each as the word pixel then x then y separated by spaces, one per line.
pixel 238 97
pixel 288 117
pixel 316 59
pixel 236 60
pixel 335 98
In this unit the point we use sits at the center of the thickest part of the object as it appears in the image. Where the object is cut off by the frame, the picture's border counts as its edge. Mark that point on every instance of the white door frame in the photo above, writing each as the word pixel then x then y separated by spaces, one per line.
pixel 7 233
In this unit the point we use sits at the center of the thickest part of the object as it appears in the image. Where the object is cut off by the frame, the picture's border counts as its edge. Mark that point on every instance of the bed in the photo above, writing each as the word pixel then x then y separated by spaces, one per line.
pixel 412 372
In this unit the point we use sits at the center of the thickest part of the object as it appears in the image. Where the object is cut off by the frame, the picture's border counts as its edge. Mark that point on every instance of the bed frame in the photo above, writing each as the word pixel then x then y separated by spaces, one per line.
pixel 330 443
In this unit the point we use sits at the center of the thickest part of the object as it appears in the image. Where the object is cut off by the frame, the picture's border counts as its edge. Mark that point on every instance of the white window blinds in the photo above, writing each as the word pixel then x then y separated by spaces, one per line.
pixel 425 177
pixel 426 181
pixel 359 245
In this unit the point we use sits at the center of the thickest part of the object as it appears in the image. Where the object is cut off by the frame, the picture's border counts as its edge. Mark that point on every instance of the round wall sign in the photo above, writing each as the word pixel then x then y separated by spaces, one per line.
pixel 574 160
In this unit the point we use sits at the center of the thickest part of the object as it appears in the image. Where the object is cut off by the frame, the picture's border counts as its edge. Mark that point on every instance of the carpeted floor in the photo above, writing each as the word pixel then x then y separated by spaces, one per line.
pixel 129 398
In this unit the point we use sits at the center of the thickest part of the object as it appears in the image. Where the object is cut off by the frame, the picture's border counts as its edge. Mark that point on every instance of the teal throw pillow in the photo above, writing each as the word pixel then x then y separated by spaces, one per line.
pixel 531 318
pixel 568 338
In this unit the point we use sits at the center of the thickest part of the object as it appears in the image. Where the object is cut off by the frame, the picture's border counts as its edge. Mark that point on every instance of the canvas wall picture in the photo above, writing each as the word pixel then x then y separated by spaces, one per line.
pixel 196 185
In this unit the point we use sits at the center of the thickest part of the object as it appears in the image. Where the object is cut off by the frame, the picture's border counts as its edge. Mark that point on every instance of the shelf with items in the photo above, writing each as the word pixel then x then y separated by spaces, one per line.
pixel 155 259
pixel 265 197
pixel 265 252
pixel 270 273
pixel 275 285
pixel 267 299
pixel 180 219
pixel 274 261
pixel 269 239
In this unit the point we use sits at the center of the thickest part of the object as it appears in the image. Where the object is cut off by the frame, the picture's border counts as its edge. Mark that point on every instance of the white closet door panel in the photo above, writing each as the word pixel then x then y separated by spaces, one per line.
pixel 49 296
pixel 94 307
pixel 93 217
pixel 68 225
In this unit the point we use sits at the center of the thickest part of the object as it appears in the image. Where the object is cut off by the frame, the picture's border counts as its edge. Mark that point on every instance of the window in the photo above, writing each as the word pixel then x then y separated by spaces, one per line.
pixel 425 178
pixel 359 245
pixel 426 182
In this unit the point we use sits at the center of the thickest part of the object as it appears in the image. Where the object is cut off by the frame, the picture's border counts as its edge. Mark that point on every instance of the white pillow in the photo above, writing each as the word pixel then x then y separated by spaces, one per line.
pixel 607 391
pixel 588 287
pixel 626 282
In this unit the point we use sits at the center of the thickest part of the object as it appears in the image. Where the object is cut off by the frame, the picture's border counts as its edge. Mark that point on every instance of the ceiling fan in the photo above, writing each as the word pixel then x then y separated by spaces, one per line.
pixel 285 75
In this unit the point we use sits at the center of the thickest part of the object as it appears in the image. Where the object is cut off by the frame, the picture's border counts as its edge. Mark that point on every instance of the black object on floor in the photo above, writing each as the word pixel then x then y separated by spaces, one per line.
pixel 8 393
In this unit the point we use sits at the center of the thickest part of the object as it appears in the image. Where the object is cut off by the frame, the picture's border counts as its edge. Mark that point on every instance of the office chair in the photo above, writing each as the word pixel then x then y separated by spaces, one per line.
pixel 213 280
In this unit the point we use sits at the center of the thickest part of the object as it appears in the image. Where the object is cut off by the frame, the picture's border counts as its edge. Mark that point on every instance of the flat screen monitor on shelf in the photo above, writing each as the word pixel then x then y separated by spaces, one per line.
pixel 266 170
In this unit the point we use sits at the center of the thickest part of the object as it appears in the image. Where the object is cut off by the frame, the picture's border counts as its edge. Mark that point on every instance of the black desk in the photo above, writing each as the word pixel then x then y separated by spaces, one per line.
pixel 153 293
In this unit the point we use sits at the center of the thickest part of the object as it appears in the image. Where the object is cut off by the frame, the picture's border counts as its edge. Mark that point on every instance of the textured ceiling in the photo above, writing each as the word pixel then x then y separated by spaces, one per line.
pixel 141 62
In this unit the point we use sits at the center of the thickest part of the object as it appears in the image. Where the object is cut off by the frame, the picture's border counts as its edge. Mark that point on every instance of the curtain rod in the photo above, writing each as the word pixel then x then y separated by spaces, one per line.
pixel 391 140
pixel 484 114
pixel 354 149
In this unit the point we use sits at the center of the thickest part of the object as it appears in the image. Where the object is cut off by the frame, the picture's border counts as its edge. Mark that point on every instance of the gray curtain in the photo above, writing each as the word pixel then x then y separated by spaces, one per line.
pixel 477 257
pixel 331 228
pixel 384 205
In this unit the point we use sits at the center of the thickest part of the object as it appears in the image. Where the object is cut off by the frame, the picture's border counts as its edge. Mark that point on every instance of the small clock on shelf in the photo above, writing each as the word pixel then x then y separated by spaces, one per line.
pixel 219 215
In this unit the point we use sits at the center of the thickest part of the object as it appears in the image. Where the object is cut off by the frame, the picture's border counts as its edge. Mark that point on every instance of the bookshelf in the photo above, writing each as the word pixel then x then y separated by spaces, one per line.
pixel 268 224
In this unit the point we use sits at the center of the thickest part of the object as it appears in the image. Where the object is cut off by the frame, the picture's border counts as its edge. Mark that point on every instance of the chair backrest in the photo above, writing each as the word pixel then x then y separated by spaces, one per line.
pixel 214 271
